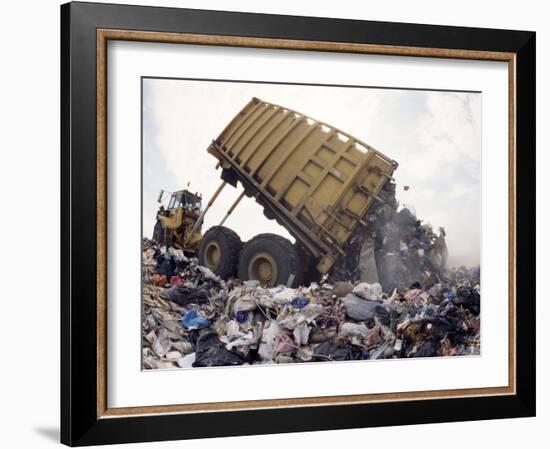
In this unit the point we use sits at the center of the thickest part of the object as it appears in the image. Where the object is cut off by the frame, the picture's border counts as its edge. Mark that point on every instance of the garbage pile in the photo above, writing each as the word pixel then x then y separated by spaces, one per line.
pixel 192 318
pixel 395 249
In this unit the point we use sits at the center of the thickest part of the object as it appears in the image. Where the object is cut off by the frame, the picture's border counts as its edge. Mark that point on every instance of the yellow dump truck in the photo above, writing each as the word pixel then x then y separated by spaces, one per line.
pixel 312 178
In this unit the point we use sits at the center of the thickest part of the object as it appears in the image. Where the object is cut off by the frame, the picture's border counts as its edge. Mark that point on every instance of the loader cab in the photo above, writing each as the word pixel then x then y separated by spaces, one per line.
pixel 179 208
pixel 189 202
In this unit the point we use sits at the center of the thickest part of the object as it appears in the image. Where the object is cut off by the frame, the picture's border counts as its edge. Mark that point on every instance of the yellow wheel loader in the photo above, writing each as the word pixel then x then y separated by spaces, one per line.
pixel 176 220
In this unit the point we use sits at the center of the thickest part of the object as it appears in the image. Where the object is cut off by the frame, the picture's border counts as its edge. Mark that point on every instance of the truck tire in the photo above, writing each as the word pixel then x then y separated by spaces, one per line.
pixel 271 259
pixel 219 251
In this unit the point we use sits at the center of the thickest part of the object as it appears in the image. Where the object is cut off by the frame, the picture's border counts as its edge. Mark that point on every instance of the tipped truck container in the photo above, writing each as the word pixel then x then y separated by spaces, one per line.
pixel 314 179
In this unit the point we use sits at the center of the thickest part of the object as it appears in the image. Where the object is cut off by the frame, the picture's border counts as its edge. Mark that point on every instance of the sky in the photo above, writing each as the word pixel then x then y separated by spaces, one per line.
pixel 434 136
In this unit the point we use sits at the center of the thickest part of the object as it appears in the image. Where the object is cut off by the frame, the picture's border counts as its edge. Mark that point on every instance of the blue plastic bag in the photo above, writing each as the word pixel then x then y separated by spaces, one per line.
pixel 241 316
pixel 300 302
pixel 192 320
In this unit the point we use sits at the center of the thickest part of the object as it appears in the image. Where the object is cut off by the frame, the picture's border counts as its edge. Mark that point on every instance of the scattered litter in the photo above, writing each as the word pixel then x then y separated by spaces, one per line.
pixel 368 291
pixel 210 351
pixel 359 309
pixel 183 295
pixel 353 330
pixel 192 318
pixel 328 351
pixel 341 289
pixel 176 280
pixel 187 361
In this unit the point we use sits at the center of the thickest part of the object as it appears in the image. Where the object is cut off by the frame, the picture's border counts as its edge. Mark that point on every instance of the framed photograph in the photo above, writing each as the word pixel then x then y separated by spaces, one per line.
pixel 280 224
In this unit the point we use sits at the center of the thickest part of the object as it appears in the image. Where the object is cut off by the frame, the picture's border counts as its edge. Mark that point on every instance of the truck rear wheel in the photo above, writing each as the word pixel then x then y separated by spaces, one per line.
pixel 219 251
pixel 272 260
